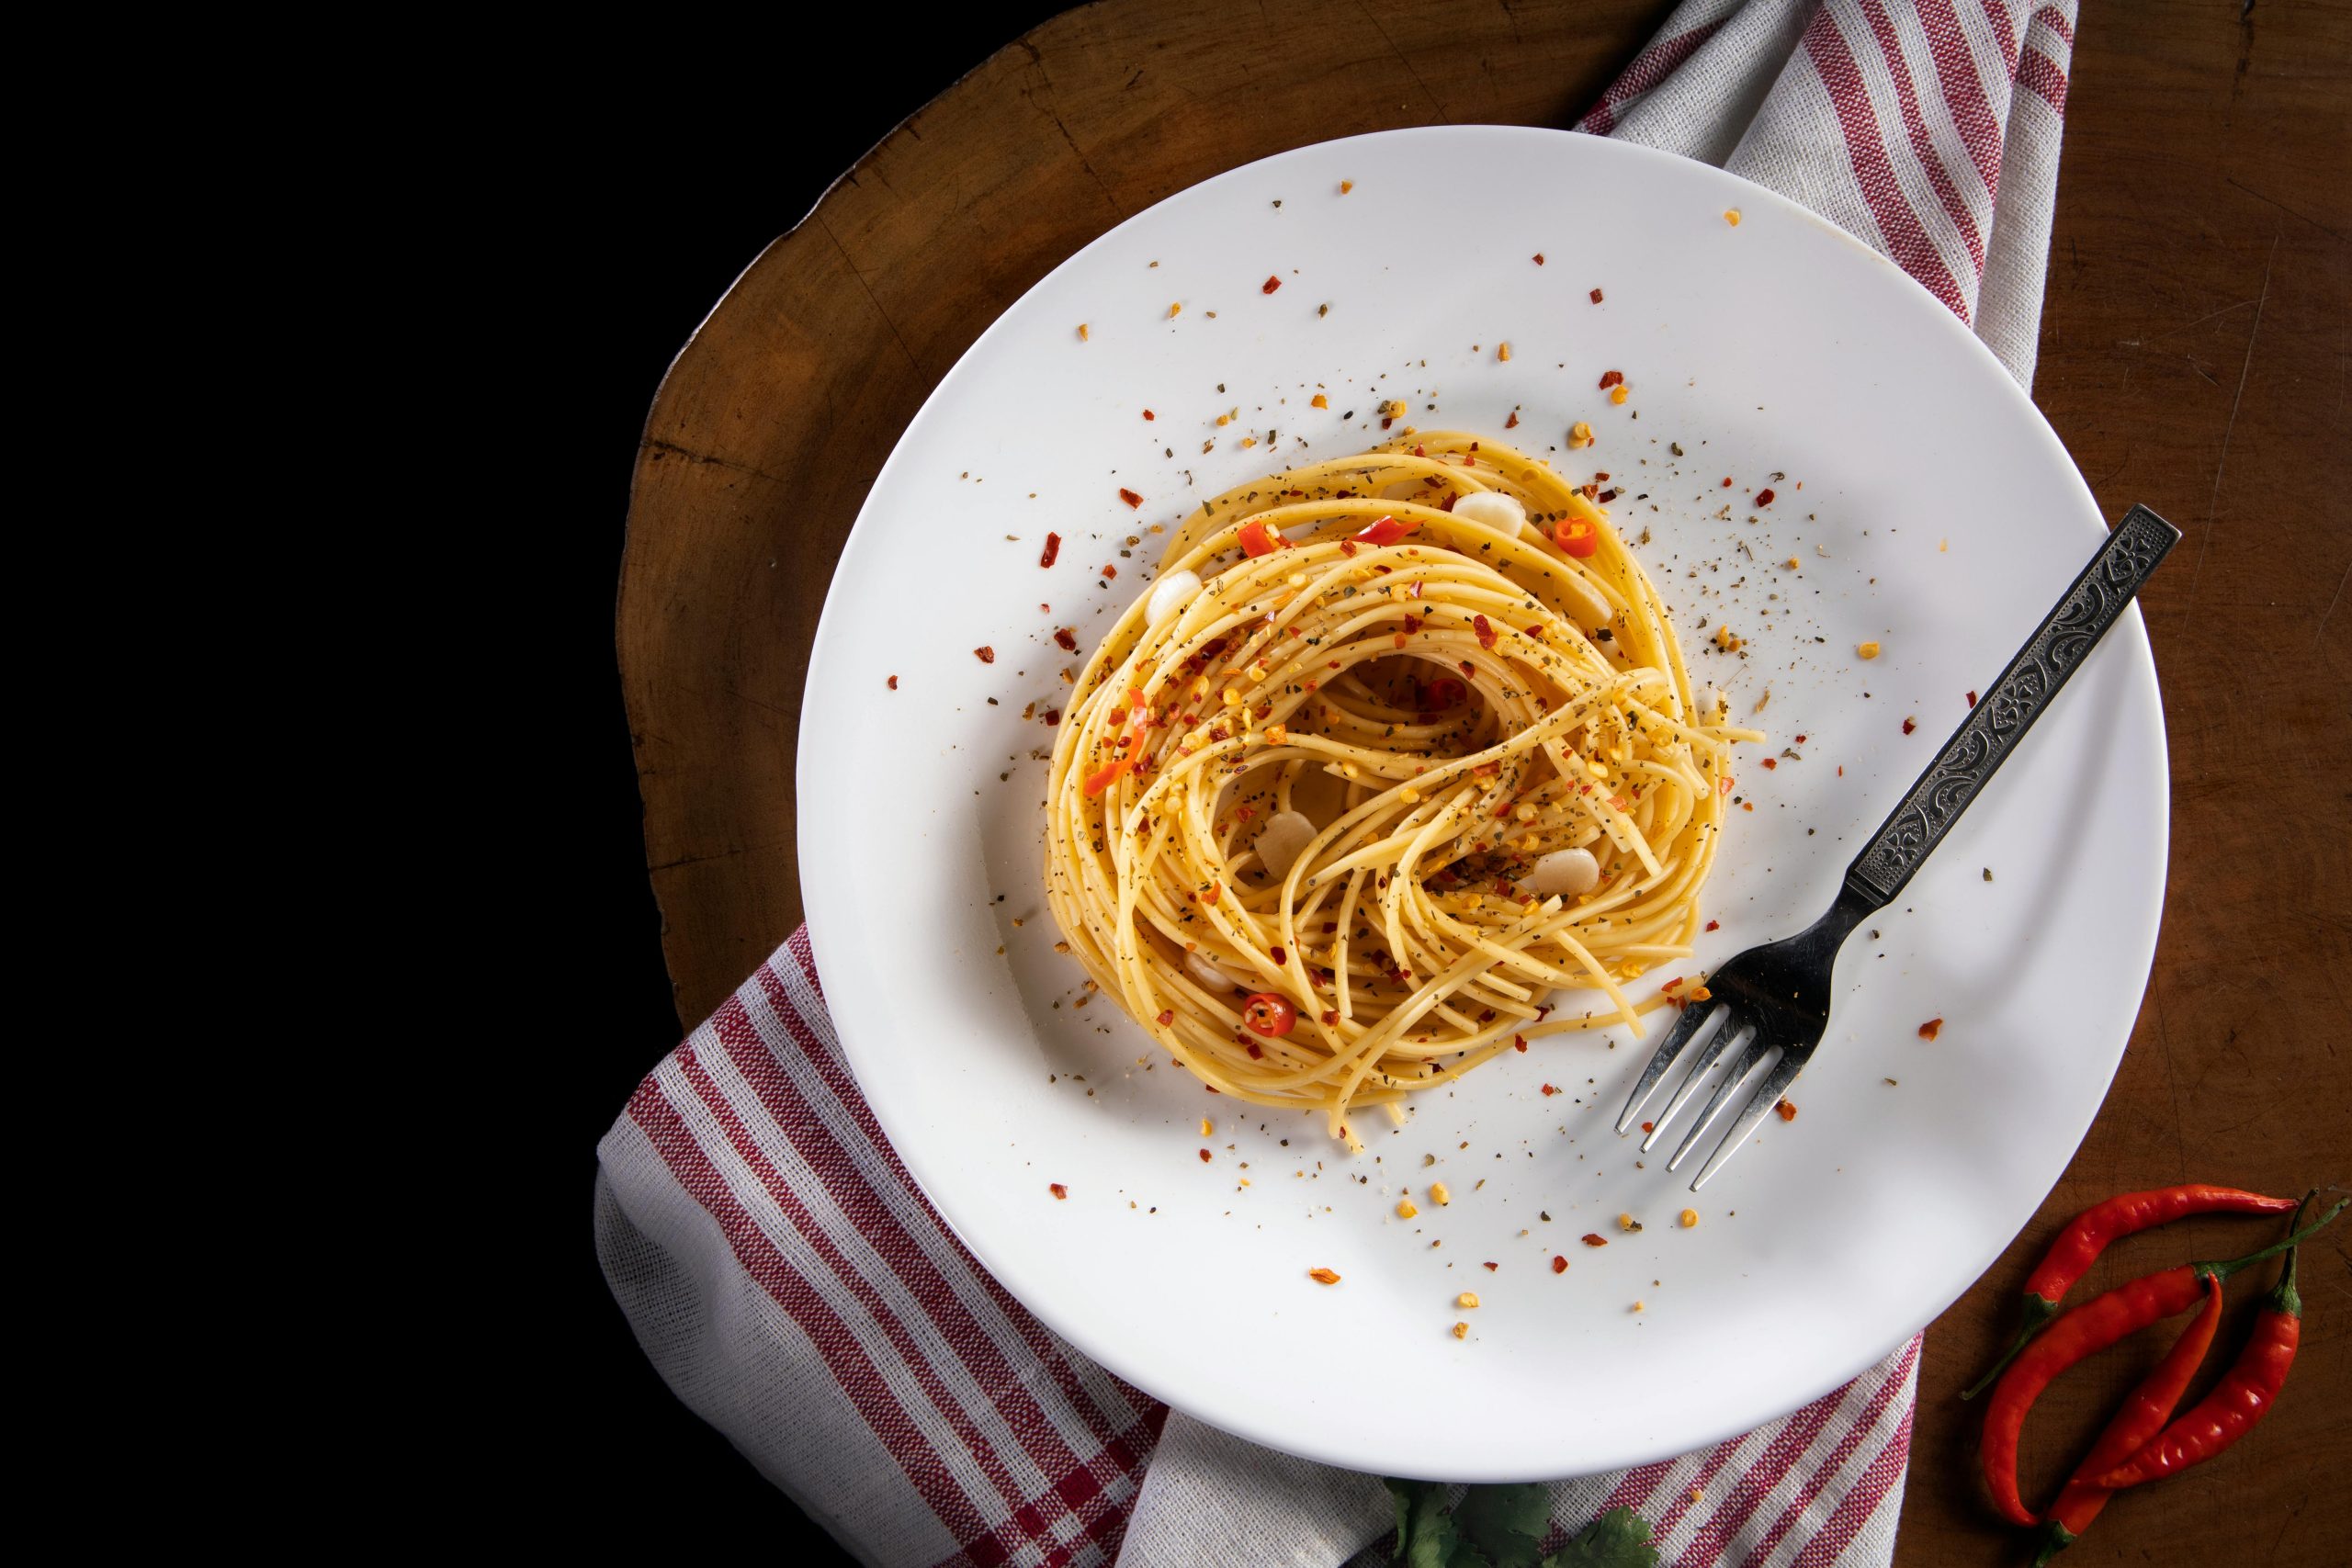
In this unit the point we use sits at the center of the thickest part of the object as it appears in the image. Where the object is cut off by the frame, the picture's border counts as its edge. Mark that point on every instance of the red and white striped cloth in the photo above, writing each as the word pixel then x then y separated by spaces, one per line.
pixel 796 1292
pixel 1901 121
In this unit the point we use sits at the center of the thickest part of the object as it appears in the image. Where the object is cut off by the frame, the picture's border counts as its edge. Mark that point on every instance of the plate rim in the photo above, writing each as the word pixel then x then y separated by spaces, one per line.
pixel 821 906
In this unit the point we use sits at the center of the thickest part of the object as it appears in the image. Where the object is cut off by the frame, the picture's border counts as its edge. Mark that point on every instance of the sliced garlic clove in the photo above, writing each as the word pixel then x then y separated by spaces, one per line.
pixel 1169 595
pixel 1493 508
pixel 1209 975
pixel 1282 840
pixel 1564 871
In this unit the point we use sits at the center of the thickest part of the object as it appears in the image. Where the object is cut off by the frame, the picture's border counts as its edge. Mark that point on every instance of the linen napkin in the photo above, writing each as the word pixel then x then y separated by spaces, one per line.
pixel 796 1290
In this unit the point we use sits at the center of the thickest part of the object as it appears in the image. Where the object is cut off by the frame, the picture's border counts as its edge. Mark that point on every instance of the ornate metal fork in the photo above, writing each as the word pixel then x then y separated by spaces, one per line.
pixel 1776 997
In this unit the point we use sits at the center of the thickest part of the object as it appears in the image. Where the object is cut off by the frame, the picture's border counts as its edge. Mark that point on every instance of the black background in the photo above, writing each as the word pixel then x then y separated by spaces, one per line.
pixel 650 212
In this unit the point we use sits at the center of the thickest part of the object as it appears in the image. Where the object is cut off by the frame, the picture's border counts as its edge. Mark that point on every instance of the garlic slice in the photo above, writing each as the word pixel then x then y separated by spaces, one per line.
pixel 1282 840
pixel 1563 871
pixel 1209 975
pixel 1493 508
pixel 1169 595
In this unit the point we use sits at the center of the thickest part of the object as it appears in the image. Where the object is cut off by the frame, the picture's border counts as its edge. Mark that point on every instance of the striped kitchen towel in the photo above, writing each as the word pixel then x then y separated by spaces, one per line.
pixel 1901 121
pixel 792 1287
pixel 799 1294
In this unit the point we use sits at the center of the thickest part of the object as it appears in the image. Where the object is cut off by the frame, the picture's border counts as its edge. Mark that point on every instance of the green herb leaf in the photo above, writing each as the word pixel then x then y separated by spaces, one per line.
pixel 1619 1539
pixel 1506 1523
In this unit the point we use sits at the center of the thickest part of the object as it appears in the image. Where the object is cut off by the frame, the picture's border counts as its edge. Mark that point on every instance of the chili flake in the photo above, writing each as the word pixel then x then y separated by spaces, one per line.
pixel 1271 284
pixel 1559 1264
pixel 1319 400
pixel 1610 377
pixel 1057 1189
pixel 1323 1276
pixel 1594 1238
pixel 1486 631
pixel 1205 1156
pixel 1972 699
pixel 1130 497
pixel 1596 296
pixel 1786 1111
pixel 1052 551
pixel 1539 258
pixel 1068 638
pixel 1930 1029
pixel 894 682
pixel 1909 725
pixel 985 655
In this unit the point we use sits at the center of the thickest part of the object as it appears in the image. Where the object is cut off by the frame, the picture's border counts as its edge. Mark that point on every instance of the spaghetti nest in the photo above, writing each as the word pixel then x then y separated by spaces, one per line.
pixel 1397 746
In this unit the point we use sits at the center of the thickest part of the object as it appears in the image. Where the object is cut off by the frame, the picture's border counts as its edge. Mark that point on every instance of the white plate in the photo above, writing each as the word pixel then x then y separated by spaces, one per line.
pixel 1951 518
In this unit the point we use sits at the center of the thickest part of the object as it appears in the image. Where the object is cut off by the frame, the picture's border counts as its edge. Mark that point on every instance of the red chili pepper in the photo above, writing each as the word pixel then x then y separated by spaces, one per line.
pixel 1053 549
pixel 1577 536
pixel 1484 630
pixel 2083 1332
pixel 2088 1234
pixel 1257 539
pixel 1130 497
pixel 1270 1015
pixel 1270 285
pixel 2140 1417
pixel 2241 1398
pixel 1387 531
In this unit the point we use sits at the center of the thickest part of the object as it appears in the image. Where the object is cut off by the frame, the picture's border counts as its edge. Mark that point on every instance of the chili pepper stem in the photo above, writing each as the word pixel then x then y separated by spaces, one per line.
pixel 2039 1311
pixel 2224 1270
pixel 2055 1539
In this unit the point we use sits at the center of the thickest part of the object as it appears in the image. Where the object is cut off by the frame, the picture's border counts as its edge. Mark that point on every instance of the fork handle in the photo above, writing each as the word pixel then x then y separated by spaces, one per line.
pixel 2000 719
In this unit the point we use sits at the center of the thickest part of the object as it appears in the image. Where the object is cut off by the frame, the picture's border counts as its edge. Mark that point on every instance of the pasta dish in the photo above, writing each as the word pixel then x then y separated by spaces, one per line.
pixel 1396 748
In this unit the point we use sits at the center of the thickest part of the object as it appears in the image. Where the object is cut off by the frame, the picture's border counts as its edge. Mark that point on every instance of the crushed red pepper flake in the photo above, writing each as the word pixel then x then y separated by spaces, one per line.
pixel 1610 377
pixel 1057 1189
pixel 1596 296
pixel 1764 497
pixel 1068 638
pixel 1539 258
pixel 1548 1089
pixel 1271 284
pixel 1594 1238
pixel 1110 572
pixel 1052 551
pixel 1149 414
pixel 1909 725
pixel 1510 423
pixel 1786 1111
pixel 1972 699
pixel 1323 1276
pixel 894 682
pixel 1714 925
pixel 985 655
pixel 1205 1156
pixel 1130 497
pixel 1559 1264
pixel 1930 1029
pixel 1484 630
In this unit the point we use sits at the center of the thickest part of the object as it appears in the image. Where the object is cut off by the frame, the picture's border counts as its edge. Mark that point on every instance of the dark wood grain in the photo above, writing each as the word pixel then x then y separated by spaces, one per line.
pixel 2193 356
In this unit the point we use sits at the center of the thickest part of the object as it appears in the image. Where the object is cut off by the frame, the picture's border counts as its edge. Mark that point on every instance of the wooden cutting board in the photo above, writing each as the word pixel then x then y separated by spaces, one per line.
pixel 2193 356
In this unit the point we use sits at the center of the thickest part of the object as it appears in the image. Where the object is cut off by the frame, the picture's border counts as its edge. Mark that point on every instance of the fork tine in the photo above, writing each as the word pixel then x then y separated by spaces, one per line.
pixel 1757 1046
pixel 1676 1039
pixel 1734 1030
pixel 1776 1083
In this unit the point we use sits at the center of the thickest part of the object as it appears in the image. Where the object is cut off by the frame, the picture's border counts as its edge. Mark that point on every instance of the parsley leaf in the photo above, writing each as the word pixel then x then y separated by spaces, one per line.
pixel 1502 1526
pixel 1506 1522
pixel 1619 1539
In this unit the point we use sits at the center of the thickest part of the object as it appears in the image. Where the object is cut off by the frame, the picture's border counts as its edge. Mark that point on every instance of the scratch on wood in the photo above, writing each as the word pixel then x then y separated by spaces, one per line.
pixel 2221 463
pixel 655 443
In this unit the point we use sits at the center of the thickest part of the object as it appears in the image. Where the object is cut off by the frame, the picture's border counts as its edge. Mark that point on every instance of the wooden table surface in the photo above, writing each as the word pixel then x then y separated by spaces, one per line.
pixel 2194 356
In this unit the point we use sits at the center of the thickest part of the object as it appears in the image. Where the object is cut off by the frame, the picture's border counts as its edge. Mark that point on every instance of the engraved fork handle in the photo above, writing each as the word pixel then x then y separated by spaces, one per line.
pixel 2003 715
